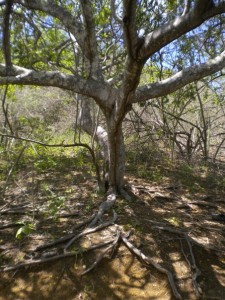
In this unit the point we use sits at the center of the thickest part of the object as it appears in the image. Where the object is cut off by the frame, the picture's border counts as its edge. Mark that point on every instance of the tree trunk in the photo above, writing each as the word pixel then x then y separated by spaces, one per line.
pixel 116 156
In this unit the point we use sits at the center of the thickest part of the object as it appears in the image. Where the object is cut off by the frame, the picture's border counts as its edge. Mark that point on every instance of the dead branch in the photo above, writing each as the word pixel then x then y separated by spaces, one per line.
pixel 149 261
pixel 5 110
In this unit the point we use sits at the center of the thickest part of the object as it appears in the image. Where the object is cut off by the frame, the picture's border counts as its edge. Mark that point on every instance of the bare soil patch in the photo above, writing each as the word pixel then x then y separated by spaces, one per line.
pixel 173 227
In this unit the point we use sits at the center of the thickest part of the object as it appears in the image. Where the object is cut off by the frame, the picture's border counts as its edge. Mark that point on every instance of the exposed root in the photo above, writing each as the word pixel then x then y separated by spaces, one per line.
pixel 193 267
pixel 149 261
pixel 104 253
pixel 182 232
pixel 192 262
pixel 75 227
pixel 52 244
pixel 105 206
pixel 125 194
pixel 91 230
pixel 35 262
pixel 94 224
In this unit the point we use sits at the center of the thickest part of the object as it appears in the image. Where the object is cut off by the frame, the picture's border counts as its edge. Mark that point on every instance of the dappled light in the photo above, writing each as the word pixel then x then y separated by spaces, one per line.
pixel 112 150
pixel 172 227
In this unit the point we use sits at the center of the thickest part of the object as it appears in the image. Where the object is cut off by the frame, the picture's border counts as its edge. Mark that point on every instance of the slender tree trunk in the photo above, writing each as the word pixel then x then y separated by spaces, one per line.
pixel 116 156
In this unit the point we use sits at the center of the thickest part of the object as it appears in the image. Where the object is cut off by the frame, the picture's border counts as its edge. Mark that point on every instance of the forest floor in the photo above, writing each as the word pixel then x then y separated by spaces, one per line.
pixel 171 222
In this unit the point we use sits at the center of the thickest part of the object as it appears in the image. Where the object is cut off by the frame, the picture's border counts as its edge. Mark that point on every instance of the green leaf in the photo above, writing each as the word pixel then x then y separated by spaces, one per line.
pixel 24 230
pixel 102 17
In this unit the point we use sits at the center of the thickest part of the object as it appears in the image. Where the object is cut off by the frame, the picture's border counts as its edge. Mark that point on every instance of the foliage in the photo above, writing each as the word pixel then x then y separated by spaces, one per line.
pixel 93 42
pixel 55 204
pixel 24 230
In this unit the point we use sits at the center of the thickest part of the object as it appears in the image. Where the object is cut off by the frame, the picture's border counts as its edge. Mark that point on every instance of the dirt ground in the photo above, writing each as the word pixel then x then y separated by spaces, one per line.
pixel 168 223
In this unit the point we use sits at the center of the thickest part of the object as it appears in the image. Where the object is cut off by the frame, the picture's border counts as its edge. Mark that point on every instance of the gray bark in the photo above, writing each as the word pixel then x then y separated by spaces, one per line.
pixel 116 102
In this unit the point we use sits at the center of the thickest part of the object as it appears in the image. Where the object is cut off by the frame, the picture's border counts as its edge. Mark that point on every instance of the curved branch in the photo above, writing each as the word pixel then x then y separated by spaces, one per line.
pixel 5 110
pixel 60 145
pixel 187 7
pixel 169 32
pixel 113 9
pixel 180 79
pixel 156 265
pixel 99 91
pixel 59 12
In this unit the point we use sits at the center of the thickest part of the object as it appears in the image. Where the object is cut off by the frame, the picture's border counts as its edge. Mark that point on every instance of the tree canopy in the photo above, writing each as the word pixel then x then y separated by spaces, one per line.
pixel 111 52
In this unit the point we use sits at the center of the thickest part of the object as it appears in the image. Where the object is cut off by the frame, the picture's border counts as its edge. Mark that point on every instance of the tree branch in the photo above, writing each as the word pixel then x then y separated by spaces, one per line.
pixel 59 145
pixel 6 35
pixel 129 27
pixel 90 46
pixel 113 9
pixel 169 32
pixel 98 90
pixel 59 12
pixel 201 6
pixel 5 110
pixel 180 79
pixel 187 7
